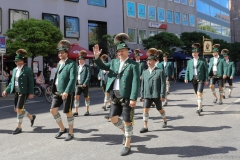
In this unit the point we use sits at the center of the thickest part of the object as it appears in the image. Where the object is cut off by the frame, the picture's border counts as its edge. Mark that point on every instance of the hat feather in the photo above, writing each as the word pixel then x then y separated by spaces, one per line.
pixel 224 51
pixel 216 45
pixel 23 52
pixel 121 37
pixel 196 45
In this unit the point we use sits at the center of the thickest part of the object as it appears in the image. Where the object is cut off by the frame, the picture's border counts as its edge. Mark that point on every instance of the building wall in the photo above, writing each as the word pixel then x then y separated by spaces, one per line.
pixel 235 13
pixel 143 24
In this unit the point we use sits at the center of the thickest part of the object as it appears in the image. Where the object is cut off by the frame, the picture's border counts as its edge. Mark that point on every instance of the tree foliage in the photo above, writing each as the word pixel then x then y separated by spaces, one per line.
pixel 223 44
pixel 111 47
pixel 38 37
pixel 167 42
pixel 235 51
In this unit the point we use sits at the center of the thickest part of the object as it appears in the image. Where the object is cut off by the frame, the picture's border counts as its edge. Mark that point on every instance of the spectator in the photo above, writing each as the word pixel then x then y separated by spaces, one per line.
pixel 40 80
pixel 4 77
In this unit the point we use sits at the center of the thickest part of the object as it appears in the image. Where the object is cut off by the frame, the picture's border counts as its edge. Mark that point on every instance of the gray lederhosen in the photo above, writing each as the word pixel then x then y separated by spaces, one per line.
pixel 215 78
pixel 80 89
pixel 197 84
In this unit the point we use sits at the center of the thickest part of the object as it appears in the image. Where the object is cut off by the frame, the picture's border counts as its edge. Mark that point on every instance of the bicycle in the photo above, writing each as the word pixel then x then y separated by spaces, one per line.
pixel 37 91
pixel 48 94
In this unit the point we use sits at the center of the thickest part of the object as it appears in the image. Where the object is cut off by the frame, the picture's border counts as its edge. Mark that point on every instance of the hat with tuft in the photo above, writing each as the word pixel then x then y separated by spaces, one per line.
pixel 152 53
pixel 196 47
pixel 21 55
pixel 137 52
pixel 224 51
pixel 82 54
pixel 64 44
pixel 120 40
pixel 215 48
pixel 165 54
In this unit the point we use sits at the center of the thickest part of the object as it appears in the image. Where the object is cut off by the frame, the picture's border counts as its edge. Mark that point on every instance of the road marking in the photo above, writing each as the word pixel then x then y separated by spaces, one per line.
pixel 25 103
pixel 238 100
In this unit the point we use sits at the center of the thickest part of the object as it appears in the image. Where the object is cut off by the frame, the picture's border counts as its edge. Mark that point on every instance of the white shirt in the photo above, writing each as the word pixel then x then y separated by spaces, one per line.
pixel 138 61
pixel 79 71
pixel 195 66
pixel 150 70
pixel 17 75
pixel 53 72
pixel 156 63
pixel 164 63
pixel 227 61
pixel 116 82
pixel 215 64
pixel 61 65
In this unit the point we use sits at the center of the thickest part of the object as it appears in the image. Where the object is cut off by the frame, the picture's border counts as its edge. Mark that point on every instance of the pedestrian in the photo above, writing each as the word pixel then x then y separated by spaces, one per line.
pixel 40 80
pixel 197 72
pixel 216 73
pixel 229 67
pixel 82 85
pixel 123 79
pixel 103 76
pixel 137 53
pixel 63 89
pixel 153 89
pixel 22 85
pixel 169 73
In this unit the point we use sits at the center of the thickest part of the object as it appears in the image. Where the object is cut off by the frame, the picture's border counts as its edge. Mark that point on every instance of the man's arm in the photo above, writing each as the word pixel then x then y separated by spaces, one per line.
pixel 142 85
pixel 163 84
pixel 135 86
pixel 88 76
pixel 30 81
pixel 101 65
pixel 187 72
pixel 206 70
pixel 233 69
pixel 172 69
pixel 72 77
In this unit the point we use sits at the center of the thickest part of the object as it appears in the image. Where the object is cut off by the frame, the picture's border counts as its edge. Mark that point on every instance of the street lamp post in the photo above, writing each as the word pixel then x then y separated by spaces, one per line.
pixel 234 19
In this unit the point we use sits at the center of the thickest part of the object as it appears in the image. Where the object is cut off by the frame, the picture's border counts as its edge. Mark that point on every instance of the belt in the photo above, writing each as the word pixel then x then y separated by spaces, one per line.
pixel 58 94
pixel 80 85
pixel 195 77
pixel 117 94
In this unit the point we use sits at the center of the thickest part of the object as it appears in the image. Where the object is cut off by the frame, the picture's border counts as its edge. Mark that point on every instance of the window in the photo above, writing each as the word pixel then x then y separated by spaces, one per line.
pixel 192 20
pixel 132 35
pixel 152 33
pixel 73 0
pixel 177 17
pixel 191 3
pixel 71 27
pixel 100 3
pixel 151 13
pixel 184 2
pixel 177 1
pixel 226 31
pixel 161 14
pixel 0 20
pixel 54 18
pixel 131 9
pixel 141 11
pixel 224 16
pixel 169 16
pixel 15 15
pixel 142 34
pixel 185 19
pixel 224 3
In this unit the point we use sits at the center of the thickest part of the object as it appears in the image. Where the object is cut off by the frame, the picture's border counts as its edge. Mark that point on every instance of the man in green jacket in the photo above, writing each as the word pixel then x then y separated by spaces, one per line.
pixel 22 85
pixel 63 88
pixel 229 67
pixel 123 79
pixel 216 73
pixel 197 72
pixel 169 73
pixel 82 85
pixel 153 90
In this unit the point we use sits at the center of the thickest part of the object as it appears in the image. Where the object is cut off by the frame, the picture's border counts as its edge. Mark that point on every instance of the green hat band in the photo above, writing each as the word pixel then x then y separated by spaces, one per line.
pixel 81 57
pixel 195 50
pixel 225 54
pixel 137 54
pixel 151 57
pixel 214 50
pixel 19 57
pixel 62 49
pixel 122 45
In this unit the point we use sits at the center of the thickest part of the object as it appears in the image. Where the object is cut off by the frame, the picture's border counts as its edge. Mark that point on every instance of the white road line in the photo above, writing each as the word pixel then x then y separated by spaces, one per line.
pixel 238 100
pixel 13 105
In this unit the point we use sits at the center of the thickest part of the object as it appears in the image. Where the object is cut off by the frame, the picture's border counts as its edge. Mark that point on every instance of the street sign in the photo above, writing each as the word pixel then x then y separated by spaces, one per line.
pixel 2 50
pixel 3 42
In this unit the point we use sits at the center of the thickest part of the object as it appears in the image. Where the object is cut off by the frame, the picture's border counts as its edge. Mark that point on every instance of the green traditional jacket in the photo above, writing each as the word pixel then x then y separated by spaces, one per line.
pixel 85 74
pixel 154 84
pixel 25 81
pixel 202 70
pixel 220 67
pixel 67 76
pixel 169 69
pixel 229 68
pixel 160 66
pixel 141 68
pixel 128 77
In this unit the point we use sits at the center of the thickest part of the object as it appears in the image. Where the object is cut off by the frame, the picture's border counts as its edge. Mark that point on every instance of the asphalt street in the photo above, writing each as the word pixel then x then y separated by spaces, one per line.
pixel 214 135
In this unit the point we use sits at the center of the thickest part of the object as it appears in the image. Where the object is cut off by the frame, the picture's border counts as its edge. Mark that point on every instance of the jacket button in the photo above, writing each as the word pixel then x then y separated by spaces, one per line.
pixel 22 87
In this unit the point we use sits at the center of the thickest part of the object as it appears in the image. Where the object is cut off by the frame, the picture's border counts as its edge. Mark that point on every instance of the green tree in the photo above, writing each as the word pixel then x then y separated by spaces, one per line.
pixel 111 47
pixel 234 51
pixel 38 37
pixel 192 37
pixel 167 42
pixel 223 44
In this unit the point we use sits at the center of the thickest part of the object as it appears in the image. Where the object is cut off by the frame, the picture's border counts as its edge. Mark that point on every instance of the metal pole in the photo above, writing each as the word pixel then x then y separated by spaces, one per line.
pixel 2 66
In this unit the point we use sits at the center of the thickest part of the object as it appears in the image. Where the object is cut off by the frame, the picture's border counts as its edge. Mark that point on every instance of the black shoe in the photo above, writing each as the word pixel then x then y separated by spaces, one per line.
pixel 69 137
pixel 223 97
pixel 143 130
pixel 220 102
pixel 104 108
pixel 201 110
pixel 17 131
pixel 198 112
pixel 229 96
pixel 168 93
pixel 86 113
pixel 164 124
pixel 165 104
pixel 106 117
pixel 60 133
pixel 75 114
pixel 109 106
pixel 125 151
pixel 153 105
pixel 33 119
pixel 124 140
pixel 215 100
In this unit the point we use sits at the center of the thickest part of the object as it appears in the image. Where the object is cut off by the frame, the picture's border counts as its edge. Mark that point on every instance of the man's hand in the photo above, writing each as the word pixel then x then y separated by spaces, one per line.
pixel 140 78
pixel 64 96
pixel 224 76
pixel 231 77
pixel 172 77
pixel 84 85
pixel 132 103
pixel 162 99
pixel 206 83
pixel 96 51
pixel 4 93
pixel 31 96
pixel 186 81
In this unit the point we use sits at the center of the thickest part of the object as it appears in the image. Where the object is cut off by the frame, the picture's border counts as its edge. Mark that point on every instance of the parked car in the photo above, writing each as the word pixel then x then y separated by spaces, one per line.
pixel 181 75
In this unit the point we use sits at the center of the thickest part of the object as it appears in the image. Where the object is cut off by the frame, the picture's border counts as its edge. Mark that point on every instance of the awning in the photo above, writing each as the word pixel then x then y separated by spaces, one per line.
pixel 75 49
pixel 143 55
pixel 179 55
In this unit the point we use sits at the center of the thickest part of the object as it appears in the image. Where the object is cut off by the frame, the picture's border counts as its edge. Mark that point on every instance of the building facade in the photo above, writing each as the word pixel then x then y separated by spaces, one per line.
pixel 81 21
pixel 213 18
pixel 235 20
pixel 145 18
